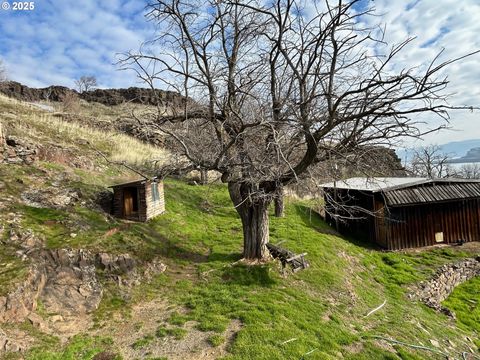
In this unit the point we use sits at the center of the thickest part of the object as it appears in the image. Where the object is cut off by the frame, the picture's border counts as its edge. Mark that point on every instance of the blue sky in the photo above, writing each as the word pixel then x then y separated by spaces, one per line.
pixel 61 40
pixel 64 39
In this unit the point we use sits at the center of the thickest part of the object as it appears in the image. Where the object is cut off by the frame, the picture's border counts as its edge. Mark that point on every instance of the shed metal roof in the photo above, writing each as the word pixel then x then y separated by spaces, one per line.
pixel 409 191
pixel 375 184
pixel 434 192
pixel 136 182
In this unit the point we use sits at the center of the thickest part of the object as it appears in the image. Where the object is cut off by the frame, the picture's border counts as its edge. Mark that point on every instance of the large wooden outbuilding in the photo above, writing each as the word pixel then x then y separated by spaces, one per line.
pixel 399 213
pixel 138 200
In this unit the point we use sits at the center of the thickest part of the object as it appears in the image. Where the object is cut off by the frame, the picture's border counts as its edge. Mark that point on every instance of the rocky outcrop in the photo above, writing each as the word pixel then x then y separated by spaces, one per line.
pixel 17 305
pixel 71 287
pixel 16 151
pixel 52 197
pixel 22 92
pixel 104 96
pixel 440 286
pixel 13 342
pixel 135 95
pixel 66 282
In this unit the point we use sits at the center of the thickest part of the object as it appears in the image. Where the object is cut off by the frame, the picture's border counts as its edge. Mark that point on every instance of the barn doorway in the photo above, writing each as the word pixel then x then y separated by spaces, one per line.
pixel 130 201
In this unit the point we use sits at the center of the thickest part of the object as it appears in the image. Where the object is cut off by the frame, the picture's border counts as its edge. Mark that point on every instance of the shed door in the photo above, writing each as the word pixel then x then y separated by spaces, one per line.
pixel 130 201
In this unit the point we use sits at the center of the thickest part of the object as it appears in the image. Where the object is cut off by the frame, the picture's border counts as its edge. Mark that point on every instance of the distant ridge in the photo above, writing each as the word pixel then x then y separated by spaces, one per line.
pixel 459 149
pixel 109 97
pixel 472 156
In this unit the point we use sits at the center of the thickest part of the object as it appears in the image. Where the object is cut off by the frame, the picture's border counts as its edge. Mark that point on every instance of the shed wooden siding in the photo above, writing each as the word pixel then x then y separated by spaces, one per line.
pixel 147 207
pixel 415 226
pixel 408 225
pixel 380 225
pixel 154 208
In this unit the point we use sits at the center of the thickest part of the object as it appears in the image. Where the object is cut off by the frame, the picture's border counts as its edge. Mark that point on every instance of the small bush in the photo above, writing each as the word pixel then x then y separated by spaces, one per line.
pixel 216 340
pixel 177 333
pixel 71 102
pixel 177 319
pixel 140 343
pixel 161 332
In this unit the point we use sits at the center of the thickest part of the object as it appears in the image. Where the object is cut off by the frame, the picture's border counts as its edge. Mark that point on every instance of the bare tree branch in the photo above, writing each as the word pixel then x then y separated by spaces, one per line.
pixel 277 88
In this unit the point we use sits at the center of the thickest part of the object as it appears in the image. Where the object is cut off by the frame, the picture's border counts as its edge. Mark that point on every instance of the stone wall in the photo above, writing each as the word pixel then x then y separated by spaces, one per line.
pixel 441 285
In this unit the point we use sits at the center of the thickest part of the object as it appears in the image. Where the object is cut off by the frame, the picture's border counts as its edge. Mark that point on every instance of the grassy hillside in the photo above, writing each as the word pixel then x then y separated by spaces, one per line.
pixel 244 312
pixel 320 311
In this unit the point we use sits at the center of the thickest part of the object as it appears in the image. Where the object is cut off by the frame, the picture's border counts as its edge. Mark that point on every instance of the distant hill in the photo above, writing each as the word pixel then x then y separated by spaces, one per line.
pixel 459 149
pixel 472 156
pixel 465 151
pixel 107 97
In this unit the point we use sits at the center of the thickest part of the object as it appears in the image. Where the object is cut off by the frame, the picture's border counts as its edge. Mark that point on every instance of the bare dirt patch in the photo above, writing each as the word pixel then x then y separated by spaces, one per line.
pixel 136 337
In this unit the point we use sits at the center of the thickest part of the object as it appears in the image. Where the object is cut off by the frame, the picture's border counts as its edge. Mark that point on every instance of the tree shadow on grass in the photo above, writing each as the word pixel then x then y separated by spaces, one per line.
pixel 225 257
pixel 156 244
pixel 198 202
pixel 239 274
pixel 245 275
pixel 313 220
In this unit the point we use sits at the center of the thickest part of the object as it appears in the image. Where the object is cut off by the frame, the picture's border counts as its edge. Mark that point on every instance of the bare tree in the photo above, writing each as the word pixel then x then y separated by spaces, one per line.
pixel 430 161
pixel 70 102
pixel 86 83
pixel 278 87
pixel 3 72
pixel 469 171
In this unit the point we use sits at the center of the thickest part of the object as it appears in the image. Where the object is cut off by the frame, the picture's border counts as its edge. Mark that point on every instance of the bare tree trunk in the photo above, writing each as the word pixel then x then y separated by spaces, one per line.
pixel 254 216
pixel 203 176
pixel 279 205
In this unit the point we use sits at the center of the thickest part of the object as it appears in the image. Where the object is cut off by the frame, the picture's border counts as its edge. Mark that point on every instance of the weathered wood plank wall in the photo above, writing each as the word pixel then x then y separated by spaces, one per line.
pixel 417 226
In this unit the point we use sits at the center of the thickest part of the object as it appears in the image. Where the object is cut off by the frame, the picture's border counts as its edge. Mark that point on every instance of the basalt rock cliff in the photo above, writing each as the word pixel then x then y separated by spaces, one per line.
pixel 104 96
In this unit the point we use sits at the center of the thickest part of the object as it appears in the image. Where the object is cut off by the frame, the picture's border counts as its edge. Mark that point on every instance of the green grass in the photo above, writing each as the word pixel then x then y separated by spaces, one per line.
pixel 216 340
pixel 144 341
pixel 464 301
pixel 78 348
pixel 323 307
pixel 177 319
pixel 12 270
pixel 177 333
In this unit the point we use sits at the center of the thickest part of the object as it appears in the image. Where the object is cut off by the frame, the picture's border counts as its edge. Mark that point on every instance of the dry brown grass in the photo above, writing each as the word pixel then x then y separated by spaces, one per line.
pixel 37 125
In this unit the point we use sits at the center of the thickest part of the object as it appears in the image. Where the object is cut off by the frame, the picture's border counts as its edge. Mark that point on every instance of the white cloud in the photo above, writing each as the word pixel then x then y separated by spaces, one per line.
pixel 440 24
pixel 61 41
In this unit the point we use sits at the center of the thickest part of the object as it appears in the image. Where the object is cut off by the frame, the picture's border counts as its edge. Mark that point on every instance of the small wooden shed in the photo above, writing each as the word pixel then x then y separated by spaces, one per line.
pixel 399 213
pixel 138 200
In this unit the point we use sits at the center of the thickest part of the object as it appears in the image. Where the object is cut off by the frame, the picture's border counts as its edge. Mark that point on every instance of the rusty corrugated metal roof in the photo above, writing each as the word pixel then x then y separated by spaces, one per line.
pixel 432 192
pixel 409 191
